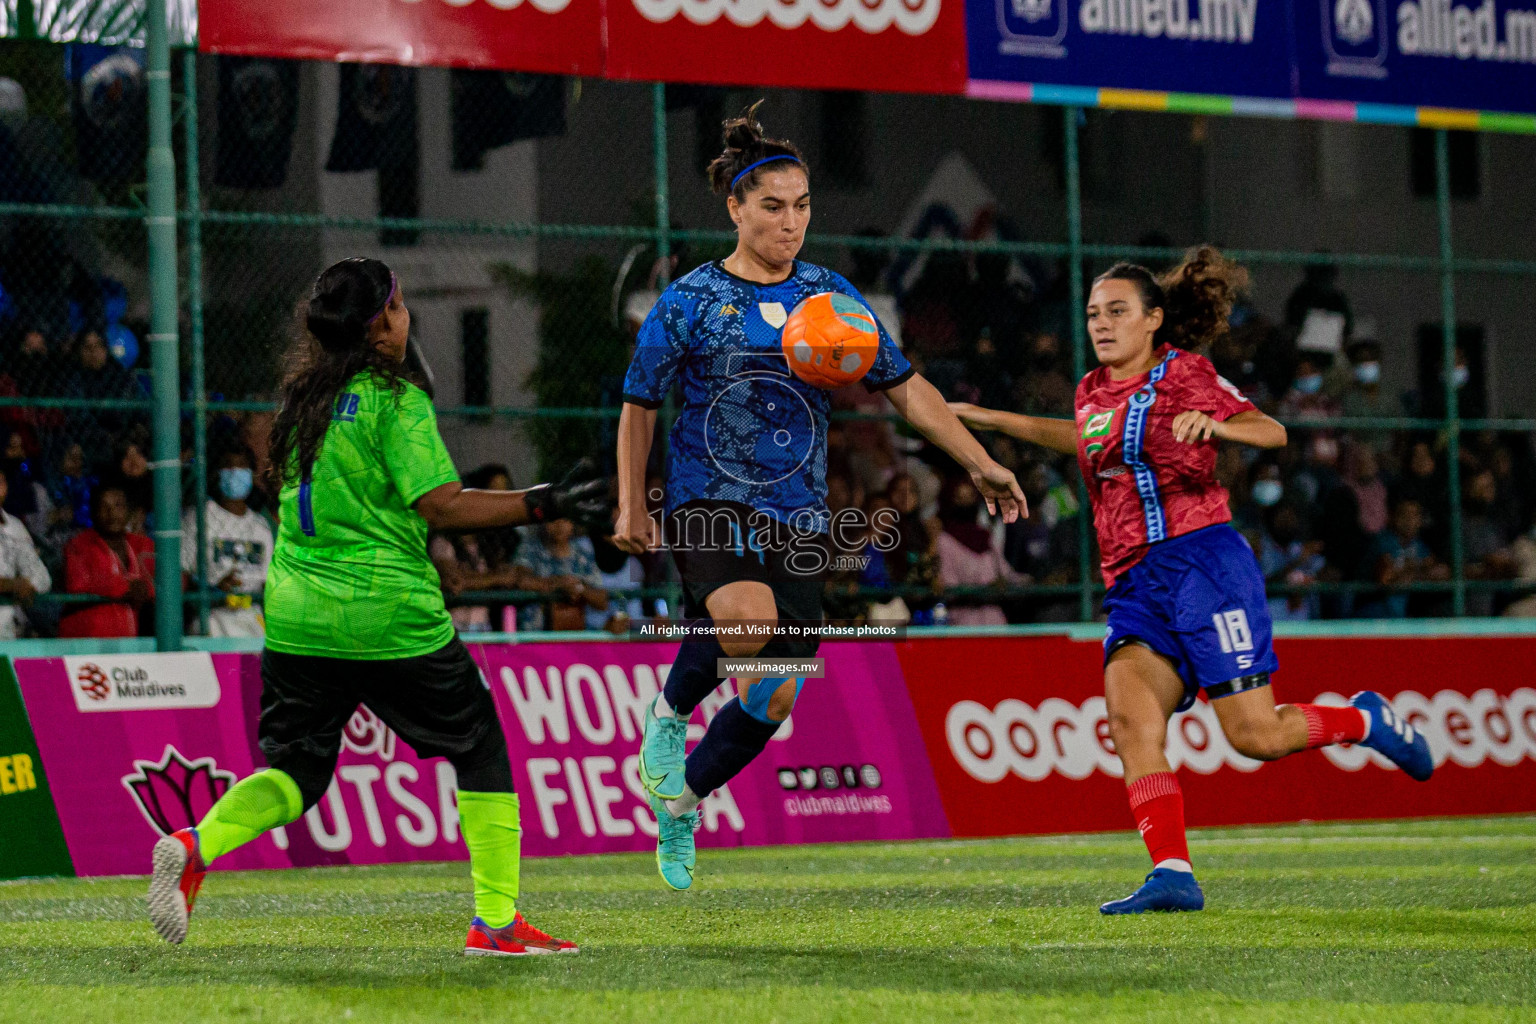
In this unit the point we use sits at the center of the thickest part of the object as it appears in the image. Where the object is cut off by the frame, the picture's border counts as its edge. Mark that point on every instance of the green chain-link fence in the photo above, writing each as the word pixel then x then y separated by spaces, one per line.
pixel 974 228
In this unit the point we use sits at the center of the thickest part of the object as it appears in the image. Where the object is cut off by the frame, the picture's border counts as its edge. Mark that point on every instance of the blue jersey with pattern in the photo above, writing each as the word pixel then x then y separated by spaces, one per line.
pixel 749 431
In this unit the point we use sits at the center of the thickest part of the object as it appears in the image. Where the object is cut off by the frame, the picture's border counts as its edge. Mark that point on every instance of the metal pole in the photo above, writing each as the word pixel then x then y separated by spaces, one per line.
pixel 194 203
pixel 659 147
pixel 161 228
pixel 1448 368
pixel 664 256
pixel 1079 367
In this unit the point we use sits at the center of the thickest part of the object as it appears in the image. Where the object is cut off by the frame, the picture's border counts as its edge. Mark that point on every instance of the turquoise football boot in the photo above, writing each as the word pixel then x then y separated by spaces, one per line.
pixel 661 755
pixel 674 845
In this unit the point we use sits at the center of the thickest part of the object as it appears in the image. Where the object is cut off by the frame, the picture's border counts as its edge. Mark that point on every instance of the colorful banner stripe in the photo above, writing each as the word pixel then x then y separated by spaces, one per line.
pixel 1247 106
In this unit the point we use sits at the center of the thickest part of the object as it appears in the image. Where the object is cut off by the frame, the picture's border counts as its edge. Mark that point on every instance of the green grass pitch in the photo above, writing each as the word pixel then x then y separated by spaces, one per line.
pixel 1398 921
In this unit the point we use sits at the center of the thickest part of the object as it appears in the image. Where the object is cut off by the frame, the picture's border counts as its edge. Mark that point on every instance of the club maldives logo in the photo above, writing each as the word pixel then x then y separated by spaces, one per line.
pixel 174 792
pixel 155 682
pixel 913 18
pixel 93 681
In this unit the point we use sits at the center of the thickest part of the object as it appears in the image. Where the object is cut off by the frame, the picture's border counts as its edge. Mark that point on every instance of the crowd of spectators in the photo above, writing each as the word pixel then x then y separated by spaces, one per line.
pixel 1357 504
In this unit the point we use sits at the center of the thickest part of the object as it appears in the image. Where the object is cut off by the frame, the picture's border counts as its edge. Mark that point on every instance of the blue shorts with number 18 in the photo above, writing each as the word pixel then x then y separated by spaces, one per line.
pixel 1198 600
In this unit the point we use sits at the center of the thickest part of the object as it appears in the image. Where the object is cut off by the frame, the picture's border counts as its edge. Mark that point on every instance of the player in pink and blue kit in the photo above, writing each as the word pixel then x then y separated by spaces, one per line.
pixel 1186 603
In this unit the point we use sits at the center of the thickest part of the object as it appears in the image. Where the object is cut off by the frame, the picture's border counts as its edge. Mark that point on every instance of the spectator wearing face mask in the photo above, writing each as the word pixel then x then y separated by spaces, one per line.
pixel 1264 493
pixel 239 547
pixel 1306 398
pixel 1363 395
pixel 1470 398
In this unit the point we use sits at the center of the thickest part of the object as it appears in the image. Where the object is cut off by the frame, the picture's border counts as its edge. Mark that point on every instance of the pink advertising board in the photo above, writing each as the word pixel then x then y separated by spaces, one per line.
pixel 139 745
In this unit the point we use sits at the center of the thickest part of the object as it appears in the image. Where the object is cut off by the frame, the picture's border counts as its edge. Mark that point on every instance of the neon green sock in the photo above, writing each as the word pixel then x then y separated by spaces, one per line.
pixel 491 830
pixel 253 805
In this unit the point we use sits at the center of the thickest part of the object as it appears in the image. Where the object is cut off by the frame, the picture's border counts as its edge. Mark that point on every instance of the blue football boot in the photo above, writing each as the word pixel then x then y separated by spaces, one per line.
pixel 1393 737
pixel 1164 889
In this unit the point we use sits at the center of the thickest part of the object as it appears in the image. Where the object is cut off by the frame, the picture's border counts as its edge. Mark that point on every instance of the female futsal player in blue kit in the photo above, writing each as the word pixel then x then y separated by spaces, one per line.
pixel 746 514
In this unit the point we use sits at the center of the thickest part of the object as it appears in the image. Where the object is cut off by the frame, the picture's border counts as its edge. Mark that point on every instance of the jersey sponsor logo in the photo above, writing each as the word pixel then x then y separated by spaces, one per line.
pixel 1073 740
pixel 176 792
pixel 912 18
pixel 774 313
pixel 1098 425
pixel 729 310
pixel 148 683
pixel 346 407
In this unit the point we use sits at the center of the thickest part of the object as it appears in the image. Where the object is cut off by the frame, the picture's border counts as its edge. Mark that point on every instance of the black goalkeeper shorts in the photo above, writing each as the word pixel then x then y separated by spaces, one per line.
pixel 439 703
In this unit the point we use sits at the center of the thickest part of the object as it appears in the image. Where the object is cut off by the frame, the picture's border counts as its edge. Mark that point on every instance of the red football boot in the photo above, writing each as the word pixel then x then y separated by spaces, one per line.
pixel 179 871
pixel 516 939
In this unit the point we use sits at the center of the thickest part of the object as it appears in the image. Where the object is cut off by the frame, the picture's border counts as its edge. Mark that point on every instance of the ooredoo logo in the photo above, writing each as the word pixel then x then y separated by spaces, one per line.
pixel 1073 740
pixel 93 681
pixel 914 17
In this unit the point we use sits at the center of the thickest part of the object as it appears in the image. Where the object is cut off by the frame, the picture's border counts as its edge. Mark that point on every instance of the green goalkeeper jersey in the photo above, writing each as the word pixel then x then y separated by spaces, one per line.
pixel 350 577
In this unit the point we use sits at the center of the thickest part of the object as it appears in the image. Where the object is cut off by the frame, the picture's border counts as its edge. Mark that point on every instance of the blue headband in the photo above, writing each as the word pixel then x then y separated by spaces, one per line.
pixel 751 167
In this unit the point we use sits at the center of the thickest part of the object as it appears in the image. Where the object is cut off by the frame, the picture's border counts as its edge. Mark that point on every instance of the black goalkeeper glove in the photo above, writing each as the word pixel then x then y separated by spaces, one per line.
pixel 581 497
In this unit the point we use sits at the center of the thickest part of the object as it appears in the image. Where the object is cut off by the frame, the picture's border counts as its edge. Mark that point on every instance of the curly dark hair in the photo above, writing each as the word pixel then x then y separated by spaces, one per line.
pixel 328 351
pixel 1196 296
pixel 745 145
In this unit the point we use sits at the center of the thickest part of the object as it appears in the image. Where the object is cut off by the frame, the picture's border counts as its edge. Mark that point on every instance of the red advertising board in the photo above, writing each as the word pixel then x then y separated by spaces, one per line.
pixel 1019 743
pixel 884 45
pixel 552 36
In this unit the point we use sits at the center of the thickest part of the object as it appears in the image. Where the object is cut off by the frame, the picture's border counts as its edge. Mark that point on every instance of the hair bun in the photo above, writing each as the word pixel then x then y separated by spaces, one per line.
pixel 743 133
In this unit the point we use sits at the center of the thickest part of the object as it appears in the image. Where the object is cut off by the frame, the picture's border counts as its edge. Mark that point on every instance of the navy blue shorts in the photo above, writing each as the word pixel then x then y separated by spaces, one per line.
pixel 1198 600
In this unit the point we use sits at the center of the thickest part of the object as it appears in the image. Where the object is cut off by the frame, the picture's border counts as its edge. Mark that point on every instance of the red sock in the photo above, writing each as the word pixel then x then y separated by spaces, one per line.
pixel 1157 803
pixel 1329 725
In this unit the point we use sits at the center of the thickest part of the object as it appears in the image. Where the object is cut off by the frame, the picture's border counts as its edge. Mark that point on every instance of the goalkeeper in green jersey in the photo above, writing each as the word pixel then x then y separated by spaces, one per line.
pixel 354 607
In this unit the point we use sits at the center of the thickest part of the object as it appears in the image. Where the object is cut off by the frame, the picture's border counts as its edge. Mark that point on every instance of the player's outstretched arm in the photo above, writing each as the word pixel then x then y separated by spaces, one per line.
pixel 1251 427
pixel 581 497
pixel 923 407
pixel 1057 435
pixel 635 530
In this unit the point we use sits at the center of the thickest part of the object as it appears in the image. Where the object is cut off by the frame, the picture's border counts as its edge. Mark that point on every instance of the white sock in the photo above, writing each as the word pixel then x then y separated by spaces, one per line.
pixel 661 708
pixel 1175 864
pixel 683 804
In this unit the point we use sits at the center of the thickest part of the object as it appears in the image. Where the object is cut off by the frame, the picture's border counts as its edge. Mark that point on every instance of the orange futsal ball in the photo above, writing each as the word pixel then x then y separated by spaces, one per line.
pixel 831 340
